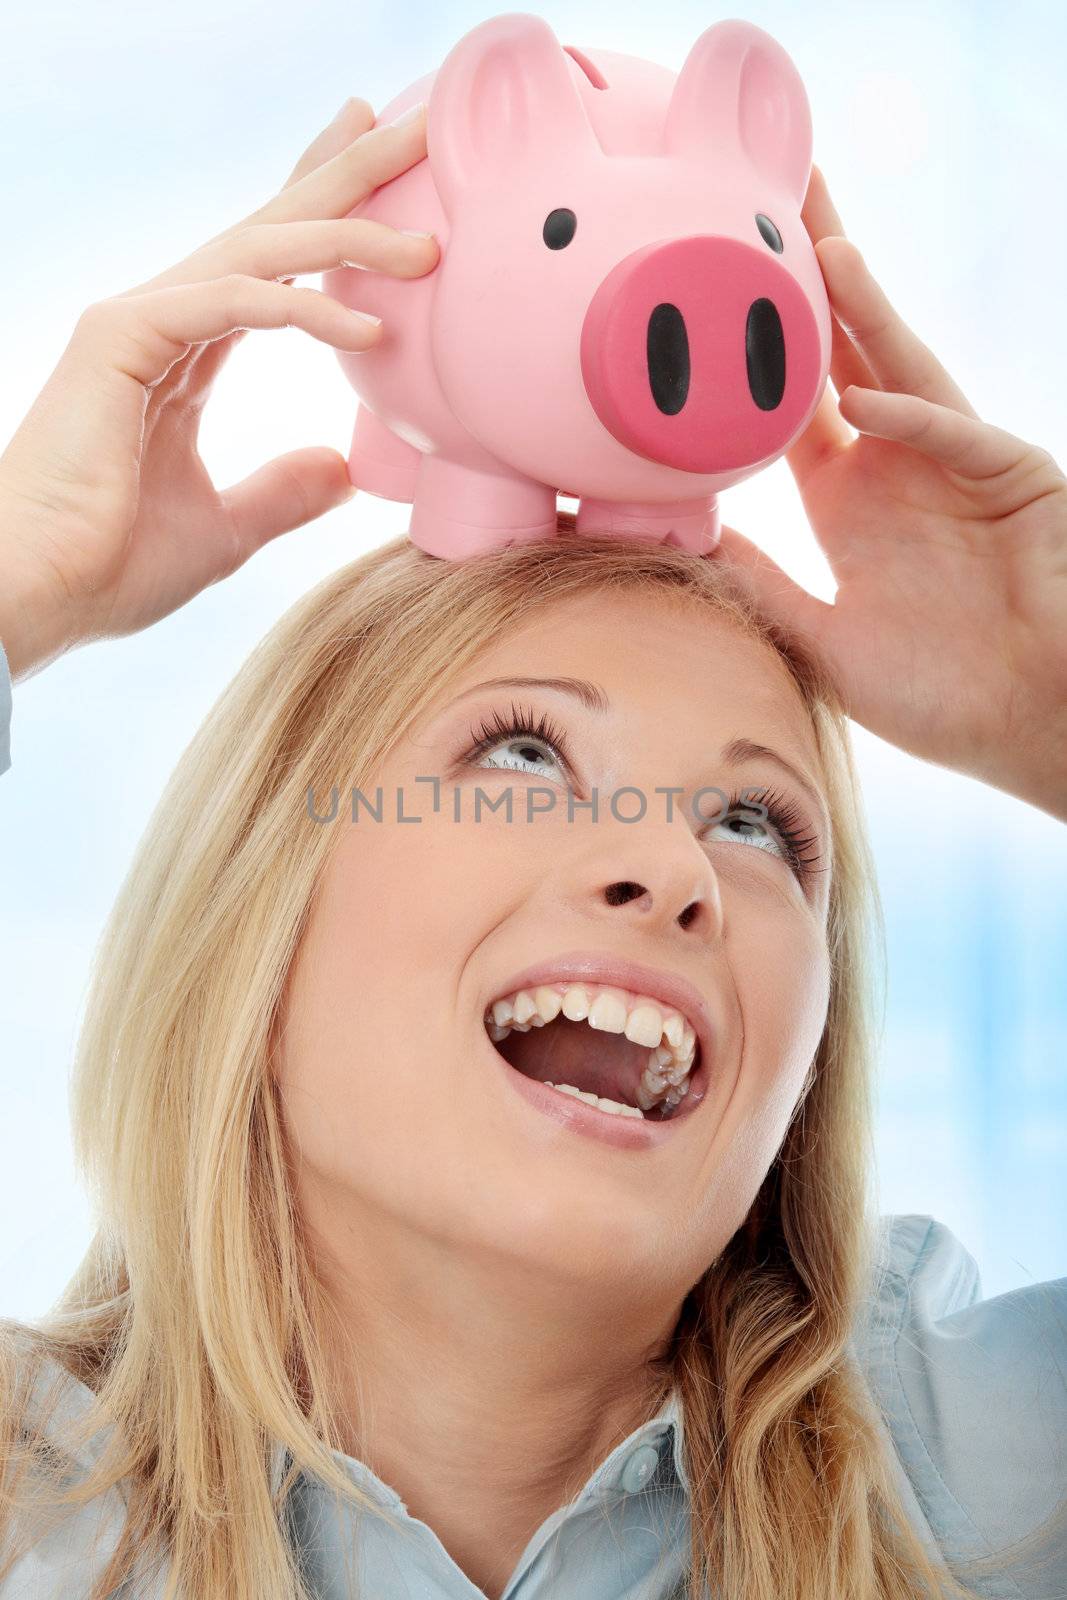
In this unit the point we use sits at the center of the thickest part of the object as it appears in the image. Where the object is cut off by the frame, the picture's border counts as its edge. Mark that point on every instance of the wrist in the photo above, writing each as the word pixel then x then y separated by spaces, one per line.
pixel 1038 774
pixel 1046 790
pixel 38 620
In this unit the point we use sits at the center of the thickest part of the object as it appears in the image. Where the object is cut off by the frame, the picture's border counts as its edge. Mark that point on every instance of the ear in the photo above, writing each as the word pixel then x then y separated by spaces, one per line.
pixel 504 93
pixel 739 95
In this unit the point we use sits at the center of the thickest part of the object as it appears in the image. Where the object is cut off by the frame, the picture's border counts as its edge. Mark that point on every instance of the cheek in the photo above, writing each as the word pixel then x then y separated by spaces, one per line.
pixel 781 972
pixel 369 1102
pixel 396 902
pixel 399 909
pixel 789 990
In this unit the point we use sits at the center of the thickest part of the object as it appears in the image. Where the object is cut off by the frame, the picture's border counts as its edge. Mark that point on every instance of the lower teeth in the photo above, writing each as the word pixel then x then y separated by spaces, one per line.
pixel 612 1107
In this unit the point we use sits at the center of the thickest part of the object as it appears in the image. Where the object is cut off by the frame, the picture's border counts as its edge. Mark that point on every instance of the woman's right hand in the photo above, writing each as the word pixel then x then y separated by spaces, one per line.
pixel 109 519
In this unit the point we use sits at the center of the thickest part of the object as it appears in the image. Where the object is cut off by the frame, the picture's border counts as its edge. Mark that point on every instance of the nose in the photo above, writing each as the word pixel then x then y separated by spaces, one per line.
pixel 701 353
pixel 667 896
pixel 624 890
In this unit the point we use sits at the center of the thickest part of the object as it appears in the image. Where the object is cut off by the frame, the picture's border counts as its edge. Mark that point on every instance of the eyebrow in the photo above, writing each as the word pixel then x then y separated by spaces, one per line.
pixel 593 697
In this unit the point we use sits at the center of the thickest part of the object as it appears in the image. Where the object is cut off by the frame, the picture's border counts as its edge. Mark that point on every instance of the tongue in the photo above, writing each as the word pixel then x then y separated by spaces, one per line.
pixel 606 1064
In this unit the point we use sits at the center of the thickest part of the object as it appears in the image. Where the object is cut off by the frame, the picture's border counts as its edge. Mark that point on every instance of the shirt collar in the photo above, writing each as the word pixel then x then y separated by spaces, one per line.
pixel 672 1415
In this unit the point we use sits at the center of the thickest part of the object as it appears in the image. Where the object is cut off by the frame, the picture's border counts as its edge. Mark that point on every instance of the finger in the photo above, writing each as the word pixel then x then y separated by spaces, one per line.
pixel 144 335
pixel 847 366
pixel 286 493
pixel 354 119
pixel 284 250
pixel 818 213
pixel 281 251
pixel 287 249
pixel 967 445
pixel 826 435
pixel 822 222
pixel 347 179
pixel 773 591
pixel 897 358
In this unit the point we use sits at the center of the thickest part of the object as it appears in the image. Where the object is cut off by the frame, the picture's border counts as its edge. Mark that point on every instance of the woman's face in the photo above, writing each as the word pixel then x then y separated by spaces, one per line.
pixel 407 1123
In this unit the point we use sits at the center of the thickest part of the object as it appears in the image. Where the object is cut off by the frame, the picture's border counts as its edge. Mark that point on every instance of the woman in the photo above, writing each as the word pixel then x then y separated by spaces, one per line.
pixel 375 1306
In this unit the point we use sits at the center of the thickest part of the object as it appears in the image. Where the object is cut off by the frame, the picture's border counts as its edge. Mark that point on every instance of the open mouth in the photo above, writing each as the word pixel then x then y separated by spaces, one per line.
pixel 624 1053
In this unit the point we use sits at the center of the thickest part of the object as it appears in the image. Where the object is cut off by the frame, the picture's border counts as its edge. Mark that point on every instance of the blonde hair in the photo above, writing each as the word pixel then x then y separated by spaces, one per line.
pixel 195 1317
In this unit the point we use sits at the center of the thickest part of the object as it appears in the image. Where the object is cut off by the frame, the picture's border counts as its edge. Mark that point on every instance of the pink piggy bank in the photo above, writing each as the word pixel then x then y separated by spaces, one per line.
pixel 627 308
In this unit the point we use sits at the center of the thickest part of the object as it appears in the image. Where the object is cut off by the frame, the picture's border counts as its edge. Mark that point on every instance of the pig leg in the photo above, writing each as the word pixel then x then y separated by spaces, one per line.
pixel 688 524
pixel 462 511
pixel 380 462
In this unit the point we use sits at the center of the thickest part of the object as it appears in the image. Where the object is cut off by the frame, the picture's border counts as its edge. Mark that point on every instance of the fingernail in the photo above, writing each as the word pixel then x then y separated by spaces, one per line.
pixel 364 316
pixel 408 116
pixel 413 233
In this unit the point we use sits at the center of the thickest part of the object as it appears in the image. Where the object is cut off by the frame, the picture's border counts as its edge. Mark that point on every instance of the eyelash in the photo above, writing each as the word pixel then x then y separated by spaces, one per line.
pixel 782 814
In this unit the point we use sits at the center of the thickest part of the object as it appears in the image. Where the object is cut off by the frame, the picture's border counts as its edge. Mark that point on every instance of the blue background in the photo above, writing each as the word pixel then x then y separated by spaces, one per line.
pixel 129 134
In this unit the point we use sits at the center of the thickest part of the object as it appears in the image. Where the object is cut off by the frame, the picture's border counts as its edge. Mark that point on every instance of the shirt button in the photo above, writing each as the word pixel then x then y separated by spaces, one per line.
pixel 639 1467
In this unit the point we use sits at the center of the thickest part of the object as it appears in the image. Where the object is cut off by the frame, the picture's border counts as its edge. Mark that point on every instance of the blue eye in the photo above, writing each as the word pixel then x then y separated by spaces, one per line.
pixel 760 808
pixel 524 735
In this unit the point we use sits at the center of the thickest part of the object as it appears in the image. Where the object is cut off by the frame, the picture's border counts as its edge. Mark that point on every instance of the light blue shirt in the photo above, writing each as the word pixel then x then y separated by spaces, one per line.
pixel 972 1392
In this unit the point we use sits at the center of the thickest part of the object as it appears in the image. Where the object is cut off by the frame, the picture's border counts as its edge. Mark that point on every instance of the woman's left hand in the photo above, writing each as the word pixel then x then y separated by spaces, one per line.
pixel 947 538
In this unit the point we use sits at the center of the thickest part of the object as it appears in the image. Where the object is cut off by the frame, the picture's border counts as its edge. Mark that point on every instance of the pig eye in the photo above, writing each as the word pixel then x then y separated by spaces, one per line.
pixel 559 227
pixel 769 233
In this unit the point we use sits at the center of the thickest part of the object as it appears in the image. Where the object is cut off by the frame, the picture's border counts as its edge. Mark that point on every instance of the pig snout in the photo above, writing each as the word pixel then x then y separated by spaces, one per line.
pixel 701 353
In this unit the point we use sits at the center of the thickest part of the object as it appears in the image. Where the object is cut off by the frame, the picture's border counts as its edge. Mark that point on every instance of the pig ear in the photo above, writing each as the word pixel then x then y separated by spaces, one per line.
pixel 504 93
pixel 739 92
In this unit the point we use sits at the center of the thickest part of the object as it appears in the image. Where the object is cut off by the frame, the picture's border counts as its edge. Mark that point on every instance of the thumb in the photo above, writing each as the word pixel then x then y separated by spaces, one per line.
pixel 286 493
pixel 771 590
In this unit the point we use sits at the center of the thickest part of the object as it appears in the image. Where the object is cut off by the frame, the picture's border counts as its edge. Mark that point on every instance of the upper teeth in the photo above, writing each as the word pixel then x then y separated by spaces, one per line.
pixel 672 1039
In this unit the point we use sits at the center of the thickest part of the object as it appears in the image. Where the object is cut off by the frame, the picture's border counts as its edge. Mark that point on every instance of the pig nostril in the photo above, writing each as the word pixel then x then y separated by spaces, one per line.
pixel 765 354
pixel 667 353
